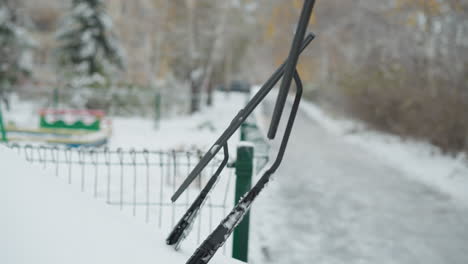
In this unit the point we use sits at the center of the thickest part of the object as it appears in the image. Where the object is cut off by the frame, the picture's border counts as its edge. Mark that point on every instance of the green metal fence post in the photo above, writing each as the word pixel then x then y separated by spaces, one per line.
pixel 244 172
pixel 243 131
pixel 2 126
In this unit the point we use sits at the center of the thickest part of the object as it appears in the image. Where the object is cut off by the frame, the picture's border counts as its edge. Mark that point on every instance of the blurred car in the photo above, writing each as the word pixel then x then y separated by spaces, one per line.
pixel 236 86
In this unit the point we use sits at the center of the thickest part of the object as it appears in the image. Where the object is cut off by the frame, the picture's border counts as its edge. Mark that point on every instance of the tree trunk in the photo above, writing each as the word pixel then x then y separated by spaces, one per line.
pixel 194 95
pixel 216 53
pixel 194 84
pixel 209 89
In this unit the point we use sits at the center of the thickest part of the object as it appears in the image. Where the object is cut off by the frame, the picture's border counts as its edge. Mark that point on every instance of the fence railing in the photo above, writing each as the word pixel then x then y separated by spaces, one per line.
pixel 140 182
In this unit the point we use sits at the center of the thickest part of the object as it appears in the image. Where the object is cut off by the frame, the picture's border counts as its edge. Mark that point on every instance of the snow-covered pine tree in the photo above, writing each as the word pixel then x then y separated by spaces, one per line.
pixel 15 49
pixel 88 51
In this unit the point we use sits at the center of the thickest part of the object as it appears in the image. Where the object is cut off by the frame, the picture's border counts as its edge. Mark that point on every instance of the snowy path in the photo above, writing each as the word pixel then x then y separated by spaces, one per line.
pixel 332 202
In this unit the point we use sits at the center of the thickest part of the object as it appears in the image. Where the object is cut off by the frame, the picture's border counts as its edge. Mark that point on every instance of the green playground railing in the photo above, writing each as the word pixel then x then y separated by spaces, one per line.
pixel 2 127
pixel 71 119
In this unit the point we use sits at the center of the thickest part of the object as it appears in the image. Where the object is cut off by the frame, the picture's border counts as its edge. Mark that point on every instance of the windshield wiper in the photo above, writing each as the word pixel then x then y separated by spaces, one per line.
pixel 287 71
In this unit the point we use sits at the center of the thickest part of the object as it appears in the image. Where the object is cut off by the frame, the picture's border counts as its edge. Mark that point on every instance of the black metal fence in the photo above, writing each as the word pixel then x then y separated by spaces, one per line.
pixel 140 183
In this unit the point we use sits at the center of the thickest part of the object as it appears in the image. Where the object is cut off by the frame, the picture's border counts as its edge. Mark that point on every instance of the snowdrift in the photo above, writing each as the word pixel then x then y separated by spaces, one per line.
pixel 45 221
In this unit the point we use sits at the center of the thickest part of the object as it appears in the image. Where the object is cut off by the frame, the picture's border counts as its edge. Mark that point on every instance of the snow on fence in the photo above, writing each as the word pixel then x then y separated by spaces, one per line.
pixel 141 182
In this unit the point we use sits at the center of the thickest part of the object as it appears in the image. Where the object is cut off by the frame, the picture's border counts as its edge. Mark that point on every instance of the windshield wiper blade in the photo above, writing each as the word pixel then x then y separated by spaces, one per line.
pixel 183 227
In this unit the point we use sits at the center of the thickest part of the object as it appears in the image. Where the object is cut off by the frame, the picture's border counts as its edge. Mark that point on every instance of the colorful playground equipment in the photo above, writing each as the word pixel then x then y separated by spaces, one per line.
pixel 73 128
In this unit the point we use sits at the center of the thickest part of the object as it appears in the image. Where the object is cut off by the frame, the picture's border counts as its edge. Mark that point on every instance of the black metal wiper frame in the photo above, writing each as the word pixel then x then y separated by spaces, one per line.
pixel 290 68
pixel 219 236
pixel 237 122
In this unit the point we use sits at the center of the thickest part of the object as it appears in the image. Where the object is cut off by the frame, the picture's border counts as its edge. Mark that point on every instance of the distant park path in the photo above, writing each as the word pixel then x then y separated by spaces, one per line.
pixel 332 202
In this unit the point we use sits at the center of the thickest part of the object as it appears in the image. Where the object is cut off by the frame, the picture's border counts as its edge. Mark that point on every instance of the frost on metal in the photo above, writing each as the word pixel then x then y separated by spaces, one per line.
pixel 237 215
pixel 215 149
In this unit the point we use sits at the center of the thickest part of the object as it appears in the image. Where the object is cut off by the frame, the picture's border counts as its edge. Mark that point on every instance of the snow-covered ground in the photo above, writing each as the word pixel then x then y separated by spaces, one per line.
pixel 45 221
pixel 343 193
pixel 198 131
pixel 333 200
pixel 195 132
pixel 420 160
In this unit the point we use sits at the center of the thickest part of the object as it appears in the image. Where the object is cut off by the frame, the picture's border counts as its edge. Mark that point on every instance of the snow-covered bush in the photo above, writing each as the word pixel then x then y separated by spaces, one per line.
pixel 88 53
pixel 404 103
pixel 15 50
